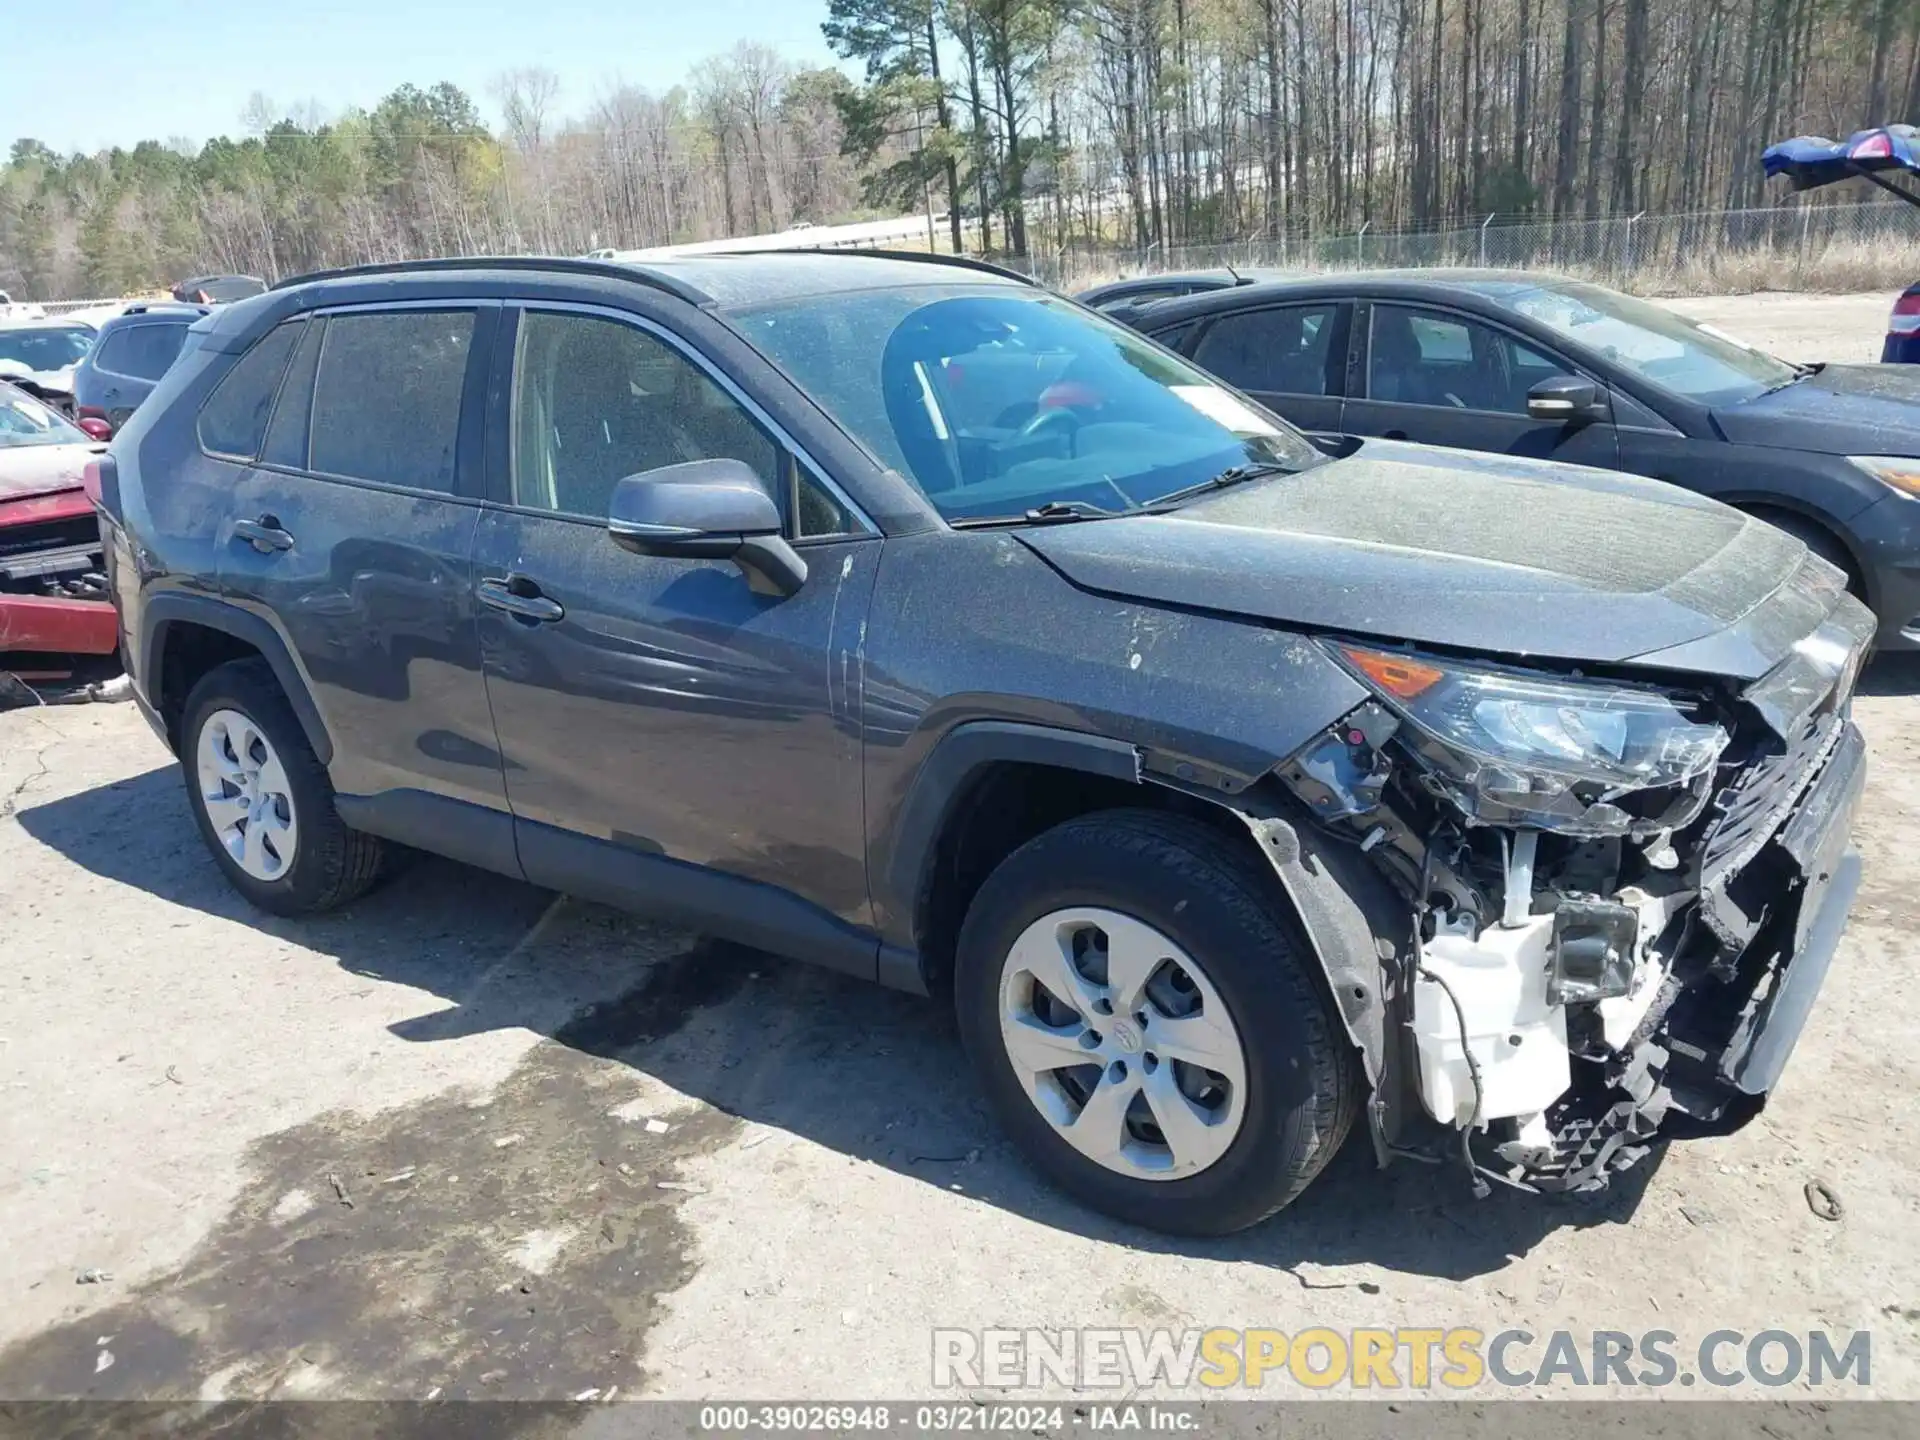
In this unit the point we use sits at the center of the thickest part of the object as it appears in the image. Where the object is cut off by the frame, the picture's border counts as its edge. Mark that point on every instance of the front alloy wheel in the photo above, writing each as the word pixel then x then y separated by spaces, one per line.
pixel 1150 1025
pixel 1122 1043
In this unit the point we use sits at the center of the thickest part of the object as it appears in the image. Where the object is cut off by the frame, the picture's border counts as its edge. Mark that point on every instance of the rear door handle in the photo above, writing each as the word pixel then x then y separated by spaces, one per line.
pixel 517 595
pixel 264 534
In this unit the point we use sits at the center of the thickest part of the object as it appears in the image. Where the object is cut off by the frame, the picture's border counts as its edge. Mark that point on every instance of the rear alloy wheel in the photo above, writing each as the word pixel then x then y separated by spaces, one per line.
pixel 244 791
pixel 262 799
pixel 1149 1024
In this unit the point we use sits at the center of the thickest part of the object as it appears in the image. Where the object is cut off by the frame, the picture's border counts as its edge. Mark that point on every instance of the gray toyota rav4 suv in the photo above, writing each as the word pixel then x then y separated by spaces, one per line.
pixel 898 615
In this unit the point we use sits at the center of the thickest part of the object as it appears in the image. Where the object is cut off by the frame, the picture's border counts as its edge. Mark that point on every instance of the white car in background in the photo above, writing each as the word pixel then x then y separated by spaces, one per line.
pixel 9 310
pixel 40 355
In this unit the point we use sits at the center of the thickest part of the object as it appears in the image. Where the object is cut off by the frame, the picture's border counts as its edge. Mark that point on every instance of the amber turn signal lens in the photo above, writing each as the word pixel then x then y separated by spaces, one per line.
pixel 1400 676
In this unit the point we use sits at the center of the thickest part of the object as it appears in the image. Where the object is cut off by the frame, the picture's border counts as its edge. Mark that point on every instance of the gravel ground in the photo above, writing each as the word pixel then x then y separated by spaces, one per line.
pixel 1847 328
pixel 470 1138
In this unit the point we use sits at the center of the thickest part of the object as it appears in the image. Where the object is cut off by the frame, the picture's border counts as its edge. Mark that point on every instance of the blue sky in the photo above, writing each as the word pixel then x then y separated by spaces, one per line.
pixel 140 69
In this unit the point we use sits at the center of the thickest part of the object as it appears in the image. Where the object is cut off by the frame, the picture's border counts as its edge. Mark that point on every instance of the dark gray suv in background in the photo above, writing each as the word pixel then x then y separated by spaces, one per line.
pixel 895 614
pixel 134 350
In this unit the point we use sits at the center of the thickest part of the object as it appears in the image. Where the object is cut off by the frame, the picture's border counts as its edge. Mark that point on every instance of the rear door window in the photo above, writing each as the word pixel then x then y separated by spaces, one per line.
pixel 1281 351
pixel 286 442
pixel 235 415
pixel 386 400
pixel 141 351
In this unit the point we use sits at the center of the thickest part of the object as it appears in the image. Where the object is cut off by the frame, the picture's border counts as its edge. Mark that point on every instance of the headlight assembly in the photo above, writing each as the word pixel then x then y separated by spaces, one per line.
pixel 1516 749
pixel 1896 472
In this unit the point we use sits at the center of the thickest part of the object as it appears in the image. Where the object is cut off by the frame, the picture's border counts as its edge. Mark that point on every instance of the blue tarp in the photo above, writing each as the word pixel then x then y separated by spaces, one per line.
pixel 1810 161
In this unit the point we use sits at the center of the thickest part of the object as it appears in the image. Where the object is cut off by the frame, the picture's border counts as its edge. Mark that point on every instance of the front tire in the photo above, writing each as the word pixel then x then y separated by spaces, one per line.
pixel 1823 543
pixel 262 800
pixel 1137 1000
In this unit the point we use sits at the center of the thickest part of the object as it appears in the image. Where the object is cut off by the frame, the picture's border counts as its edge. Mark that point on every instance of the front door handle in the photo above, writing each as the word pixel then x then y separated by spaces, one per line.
pixel 517 595
pixel 264 534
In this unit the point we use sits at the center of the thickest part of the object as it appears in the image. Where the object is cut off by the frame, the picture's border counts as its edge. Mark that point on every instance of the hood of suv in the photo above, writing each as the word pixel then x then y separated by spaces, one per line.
pixel 1463 550
pixel 1837 410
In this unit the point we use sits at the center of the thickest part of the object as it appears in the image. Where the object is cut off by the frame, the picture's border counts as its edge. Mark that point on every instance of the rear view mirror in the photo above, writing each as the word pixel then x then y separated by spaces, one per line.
pixel 1564 398
pixel 707 510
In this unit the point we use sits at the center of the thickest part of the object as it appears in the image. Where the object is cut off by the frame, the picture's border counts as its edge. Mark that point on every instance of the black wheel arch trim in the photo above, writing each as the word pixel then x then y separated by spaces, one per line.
pixel 1358 926
pixel 162 612
pixel 950 767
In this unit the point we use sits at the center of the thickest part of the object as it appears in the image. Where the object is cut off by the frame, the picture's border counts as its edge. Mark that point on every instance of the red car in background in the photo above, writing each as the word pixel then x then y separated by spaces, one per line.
pixel 54 609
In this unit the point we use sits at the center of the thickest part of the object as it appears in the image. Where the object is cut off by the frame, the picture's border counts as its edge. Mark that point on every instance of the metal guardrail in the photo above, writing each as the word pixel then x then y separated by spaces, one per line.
pixel 67 307
pixel 54 309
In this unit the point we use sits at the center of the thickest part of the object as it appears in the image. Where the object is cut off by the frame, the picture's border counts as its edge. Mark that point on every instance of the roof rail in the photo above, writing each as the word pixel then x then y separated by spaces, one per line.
pixel 609 269
pixel 925 257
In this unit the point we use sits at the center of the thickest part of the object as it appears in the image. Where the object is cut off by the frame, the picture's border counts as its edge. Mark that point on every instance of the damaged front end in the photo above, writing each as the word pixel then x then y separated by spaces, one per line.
pixel 1621 897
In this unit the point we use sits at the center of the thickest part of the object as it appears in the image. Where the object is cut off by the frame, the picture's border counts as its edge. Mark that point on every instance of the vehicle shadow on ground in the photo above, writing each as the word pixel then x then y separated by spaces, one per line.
pixel 864 1071
pixel 1891 675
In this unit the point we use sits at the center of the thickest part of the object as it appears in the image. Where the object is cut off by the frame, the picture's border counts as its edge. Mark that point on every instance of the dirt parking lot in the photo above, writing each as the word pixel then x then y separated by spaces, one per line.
pixel 469 1138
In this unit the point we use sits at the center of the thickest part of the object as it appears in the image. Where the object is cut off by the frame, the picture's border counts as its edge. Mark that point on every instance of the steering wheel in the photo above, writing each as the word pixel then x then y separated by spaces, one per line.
pixel 1051 418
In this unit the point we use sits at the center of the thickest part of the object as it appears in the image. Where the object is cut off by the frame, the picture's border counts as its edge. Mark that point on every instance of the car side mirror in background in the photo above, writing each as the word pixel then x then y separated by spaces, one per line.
pixel 95 427
pixel 707 510
pixel 1564 398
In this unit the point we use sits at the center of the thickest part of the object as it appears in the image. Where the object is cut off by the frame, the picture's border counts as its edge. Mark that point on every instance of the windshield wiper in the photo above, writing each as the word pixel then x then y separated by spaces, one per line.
pixel 1800 372
pixel 1232 475
pixel 1052 512
pixel 1067 510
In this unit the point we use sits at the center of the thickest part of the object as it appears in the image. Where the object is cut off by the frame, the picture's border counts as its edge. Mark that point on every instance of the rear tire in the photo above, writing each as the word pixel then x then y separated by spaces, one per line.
pixel 262 800
pixel 1264 1117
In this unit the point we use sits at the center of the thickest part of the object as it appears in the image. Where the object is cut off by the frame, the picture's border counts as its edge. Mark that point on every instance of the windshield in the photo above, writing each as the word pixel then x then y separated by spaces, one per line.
pixel 25 421
pixel 1666 349
pixel 997 401
pixel 46 347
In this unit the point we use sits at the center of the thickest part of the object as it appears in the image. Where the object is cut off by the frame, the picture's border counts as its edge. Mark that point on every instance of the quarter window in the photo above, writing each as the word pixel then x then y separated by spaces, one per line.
pixel 235 415
pixel 386 401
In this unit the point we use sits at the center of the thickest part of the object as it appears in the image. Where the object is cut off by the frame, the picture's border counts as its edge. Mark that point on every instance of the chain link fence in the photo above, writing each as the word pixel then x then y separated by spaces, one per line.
pixel 1822 247
pixel 1802 247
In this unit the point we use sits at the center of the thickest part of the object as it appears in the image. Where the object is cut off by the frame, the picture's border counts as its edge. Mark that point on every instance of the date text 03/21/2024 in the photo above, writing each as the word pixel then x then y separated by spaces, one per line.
pixel 983 1419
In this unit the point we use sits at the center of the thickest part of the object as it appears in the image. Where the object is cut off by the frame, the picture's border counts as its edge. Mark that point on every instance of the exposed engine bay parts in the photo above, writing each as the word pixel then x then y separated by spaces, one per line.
pixel 1617 893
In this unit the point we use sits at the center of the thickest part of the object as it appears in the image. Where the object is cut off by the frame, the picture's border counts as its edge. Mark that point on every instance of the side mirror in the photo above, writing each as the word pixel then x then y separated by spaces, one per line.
pixel 1561 398
pixel 707 510
pixel 94 426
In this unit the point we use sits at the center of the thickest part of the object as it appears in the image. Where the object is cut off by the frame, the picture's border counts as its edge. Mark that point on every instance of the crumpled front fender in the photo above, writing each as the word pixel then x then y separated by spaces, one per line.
pixel 1361 931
